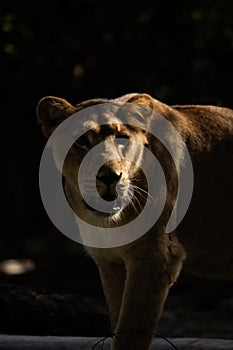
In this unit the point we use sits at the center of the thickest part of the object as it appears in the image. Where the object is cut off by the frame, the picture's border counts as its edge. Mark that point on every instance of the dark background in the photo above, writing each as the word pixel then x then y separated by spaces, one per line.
pixel 179 52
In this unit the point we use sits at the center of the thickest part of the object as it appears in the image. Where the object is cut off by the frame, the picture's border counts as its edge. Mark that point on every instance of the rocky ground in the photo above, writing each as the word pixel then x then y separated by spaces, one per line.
pixel 199 308
pixel 195 307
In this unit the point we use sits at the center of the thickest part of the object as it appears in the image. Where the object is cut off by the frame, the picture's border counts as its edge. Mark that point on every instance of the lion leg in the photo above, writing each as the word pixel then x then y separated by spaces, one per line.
pixel 113 279
pixel 146 289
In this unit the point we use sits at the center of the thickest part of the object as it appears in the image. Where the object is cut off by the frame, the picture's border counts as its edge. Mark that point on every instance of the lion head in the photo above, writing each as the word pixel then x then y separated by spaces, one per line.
pixel 121 135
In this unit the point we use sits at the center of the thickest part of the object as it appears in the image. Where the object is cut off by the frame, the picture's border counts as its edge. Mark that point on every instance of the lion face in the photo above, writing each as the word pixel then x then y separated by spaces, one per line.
pixel 121 156
pixel 102 194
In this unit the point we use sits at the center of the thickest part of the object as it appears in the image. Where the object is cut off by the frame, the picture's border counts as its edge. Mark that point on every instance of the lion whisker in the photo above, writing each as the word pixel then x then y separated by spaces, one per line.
pixel 132 203
pixel 144 194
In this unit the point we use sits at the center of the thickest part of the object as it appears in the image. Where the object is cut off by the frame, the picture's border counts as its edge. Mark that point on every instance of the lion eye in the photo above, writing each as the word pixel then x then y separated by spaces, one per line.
pixel 122 139
pixel 83 142
pixel 123 136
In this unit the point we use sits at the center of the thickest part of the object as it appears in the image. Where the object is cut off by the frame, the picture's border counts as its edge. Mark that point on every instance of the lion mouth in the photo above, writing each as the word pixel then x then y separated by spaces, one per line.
pixel 113 205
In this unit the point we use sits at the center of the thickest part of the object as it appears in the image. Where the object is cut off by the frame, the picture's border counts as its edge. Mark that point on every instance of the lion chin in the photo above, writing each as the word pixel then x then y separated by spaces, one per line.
pixel 136 277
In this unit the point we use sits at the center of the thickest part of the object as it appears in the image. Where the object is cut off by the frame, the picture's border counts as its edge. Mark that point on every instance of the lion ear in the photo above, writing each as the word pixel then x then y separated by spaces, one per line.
pixel 51 111
pixel 144 108
pixel 143 100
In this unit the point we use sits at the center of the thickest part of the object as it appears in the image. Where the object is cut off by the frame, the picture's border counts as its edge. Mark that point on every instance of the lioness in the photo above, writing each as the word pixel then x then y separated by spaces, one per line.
pixel 136 277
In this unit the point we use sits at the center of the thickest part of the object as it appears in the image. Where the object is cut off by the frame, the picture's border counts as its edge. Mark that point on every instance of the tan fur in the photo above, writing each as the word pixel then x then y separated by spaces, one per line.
pixel 136 277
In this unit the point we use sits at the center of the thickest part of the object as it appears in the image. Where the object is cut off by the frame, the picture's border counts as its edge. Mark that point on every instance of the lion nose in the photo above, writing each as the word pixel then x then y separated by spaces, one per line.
pixel 108 175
